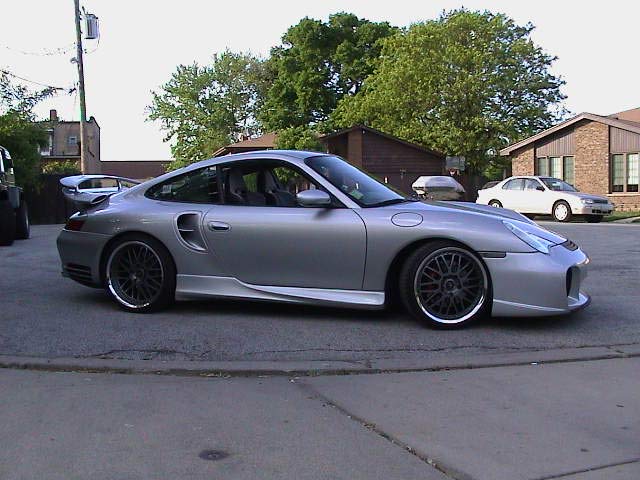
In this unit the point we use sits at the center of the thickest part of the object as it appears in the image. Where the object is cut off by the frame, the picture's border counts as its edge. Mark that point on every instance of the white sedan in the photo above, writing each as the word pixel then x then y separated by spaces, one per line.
pixel 543 196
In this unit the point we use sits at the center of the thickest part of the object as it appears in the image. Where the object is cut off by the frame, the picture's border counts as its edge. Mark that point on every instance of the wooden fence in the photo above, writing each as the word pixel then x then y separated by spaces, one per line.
pixel 46 203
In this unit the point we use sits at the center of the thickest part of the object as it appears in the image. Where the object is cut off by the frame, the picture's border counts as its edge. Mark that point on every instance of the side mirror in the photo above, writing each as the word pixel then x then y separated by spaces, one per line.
pixel 313 198
pixel 540 187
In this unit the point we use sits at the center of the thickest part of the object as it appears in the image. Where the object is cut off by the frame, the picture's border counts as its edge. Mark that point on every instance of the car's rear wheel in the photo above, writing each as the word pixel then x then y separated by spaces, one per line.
pixel 495 203
pixel 140 274
pixel 23 228
pixel 594 218
pixel 445 285
pixel 7 223
pixel 562 212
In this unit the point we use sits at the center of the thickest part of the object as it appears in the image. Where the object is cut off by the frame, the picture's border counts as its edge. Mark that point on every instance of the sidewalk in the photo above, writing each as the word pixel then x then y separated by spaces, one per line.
pixel 578 421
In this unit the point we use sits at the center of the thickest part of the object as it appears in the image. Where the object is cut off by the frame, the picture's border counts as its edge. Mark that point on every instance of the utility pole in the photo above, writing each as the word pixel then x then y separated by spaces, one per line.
pixel 84 147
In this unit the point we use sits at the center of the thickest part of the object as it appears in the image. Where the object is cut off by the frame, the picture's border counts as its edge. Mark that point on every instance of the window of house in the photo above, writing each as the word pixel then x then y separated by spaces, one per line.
pixel 624 172
pixel 632 172
pixel 48 148
pixel 542 166
pixel 72 140
pixel 198 186
pixel 568 174
pixel 555 164
pixel 561 168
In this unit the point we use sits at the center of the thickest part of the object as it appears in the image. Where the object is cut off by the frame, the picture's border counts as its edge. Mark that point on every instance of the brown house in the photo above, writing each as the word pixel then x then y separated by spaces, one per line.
pixel 395 161
pixel 596 154
pixel 264 142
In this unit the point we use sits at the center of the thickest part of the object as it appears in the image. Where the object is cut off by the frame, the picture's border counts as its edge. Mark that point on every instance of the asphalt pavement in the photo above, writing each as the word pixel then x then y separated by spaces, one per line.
pixel 45 315
pixel 235 390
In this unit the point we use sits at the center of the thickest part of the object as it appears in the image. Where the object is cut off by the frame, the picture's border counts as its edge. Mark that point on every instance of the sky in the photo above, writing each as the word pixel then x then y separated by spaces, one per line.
pixel 142 42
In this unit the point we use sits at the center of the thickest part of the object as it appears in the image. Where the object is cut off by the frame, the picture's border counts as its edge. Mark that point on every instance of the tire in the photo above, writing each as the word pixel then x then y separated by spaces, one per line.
pixel 23 228
pixel 561 211
pixel 594 218
pixel 139 274
pixel 495 203
pixel 7 223
pixel 431 289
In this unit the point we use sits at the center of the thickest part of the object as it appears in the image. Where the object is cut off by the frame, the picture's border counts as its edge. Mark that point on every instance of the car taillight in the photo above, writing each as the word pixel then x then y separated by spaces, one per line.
pixel 74 224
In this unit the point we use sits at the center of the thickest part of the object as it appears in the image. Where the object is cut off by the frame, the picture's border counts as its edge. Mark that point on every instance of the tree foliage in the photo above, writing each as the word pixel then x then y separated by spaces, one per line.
pixel 317 64
pixel 202 108
pixel 466 84
pixel 299 138
pixel 19 133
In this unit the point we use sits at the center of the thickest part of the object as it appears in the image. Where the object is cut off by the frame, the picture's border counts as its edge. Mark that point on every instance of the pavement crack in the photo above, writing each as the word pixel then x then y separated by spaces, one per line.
pixel 120 352
pixel 591 469
pixel 448 471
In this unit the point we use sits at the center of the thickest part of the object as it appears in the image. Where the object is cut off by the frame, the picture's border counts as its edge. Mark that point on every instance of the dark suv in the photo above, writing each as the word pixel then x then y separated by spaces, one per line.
pixel 14 218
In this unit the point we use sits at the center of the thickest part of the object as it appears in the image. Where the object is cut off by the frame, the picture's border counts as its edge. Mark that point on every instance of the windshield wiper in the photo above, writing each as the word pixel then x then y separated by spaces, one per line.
pixel 393 201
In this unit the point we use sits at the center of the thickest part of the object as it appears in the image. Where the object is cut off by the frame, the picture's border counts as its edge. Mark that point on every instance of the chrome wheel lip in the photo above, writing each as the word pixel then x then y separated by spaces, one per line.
pixel 110 283
pixel 481 300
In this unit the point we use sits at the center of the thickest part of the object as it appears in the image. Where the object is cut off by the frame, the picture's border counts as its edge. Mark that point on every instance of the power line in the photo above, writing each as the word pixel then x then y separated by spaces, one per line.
pixel 44 52
pixel 11 74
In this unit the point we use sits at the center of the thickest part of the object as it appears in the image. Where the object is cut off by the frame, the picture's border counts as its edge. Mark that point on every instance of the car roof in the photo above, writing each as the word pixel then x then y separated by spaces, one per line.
pixel 295 156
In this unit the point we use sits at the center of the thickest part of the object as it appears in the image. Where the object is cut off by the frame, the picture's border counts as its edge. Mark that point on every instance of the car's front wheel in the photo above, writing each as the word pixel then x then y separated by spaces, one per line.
pixel 445 285
pixel 495 204
pixel 140 274
pixel 561 211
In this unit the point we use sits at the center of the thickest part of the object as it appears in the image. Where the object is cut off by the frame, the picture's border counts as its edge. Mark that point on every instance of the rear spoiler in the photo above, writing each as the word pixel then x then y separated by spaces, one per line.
pixel 85 199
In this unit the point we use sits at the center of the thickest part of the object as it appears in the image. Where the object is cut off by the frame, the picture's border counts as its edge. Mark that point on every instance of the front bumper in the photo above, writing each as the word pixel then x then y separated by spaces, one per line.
pixel 593 209
pixel 537 284
pixel 80 255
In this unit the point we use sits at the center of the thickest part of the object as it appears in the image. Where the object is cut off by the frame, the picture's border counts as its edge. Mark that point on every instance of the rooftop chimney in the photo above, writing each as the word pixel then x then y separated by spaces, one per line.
pixel 53 115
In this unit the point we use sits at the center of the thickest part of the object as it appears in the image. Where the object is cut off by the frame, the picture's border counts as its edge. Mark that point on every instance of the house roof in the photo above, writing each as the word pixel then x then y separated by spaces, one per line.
pixel 628 125
pixel 631 115
pixel 263 142
pixel 325 138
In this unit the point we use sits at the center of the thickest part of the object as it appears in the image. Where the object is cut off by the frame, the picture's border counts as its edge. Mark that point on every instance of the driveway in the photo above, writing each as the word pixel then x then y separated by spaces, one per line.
pixel 45 315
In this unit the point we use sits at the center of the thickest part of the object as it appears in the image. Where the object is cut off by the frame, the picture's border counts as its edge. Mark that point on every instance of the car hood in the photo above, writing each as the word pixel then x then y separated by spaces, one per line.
pixel 494 213
pixel 501 213
pixel 585 196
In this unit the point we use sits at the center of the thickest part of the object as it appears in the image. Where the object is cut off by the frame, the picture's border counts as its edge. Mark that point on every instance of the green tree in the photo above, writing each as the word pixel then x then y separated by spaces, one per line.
pixel 202 108
pixel 466 84
pixel 299 138
pixel 19 133
pixel 317 64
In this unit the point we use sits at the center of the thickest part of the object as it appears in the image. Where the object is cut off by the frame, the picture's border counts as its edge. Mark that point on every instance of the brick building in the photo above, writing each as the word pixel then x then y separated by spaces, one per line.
pixel 391 159
pixel 596 154
pixel 64 142
pixel 64 146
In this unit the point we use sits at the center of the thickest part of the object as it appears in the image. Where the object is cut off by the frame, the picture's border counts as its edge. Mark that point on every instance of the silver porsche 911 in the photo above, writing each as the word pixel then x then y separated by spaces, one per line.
pixel 310 228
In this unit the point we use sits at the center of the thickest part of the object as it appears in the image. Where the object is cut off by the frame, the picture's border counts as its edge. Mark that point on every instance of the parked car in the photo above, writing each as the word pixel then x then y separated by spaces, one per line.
pixel 305 227
pixel 93 188
pixel 545 196
pixel 14 215
pixel 438 187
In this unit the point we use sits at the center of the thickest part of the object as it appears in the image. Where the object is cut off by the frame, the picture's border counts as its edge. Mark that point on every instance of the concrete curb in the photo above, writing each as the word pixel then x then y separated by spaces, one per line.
pixel 315 367
pixel 626 220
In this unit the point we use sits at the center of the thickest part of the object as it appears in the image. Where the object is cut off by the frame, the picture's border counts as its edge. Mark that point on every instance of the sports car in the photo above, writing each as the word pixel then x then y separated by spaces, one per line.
pixel 307 227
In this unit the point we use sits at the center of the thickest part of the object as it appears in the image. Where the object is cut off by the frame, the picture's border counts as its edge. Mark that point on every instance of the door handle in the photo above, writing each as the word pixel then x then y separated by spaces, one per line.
pixel 218 226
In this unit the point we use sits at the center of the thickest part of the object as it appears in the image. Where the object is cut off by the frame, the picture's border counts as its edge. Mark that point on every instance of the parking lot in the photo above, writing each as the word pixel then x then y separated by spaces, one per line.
pixel 45 315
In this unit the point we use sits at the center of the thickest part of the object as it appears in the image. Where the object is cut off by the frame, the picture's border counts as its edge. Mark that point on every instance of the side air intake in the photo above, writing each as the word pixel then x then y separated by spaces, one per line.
pixel 188 225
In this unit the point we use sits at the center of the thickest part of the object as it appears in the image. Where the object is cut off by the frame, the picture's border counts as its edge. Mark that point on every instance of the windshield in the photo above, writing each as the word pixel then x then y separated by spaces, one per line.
pixel 558 185
pixel 366 191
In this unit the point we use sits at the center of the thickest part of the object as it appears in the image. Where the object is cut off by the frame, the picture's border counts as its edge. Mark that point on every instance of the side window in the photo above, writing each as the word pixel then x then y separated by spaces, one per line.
pixel 531 184
pixel 127 184
pixel 98 183
pixel 515 184
pixel 198 186
pixel 291 180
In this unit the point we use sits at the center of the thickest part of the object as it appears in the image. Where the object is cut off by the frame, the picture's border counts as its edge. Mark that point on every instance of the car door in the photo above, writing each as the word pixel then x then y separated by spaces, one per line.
pixel 511 193
pixel 534 197
pixel 282 244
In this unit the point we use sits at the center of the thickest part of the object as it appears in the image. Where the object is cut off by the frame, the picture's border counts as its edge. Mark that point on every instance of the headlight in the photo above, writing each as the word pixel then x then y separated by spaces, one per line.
pixel 534 241
pixel 586 201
